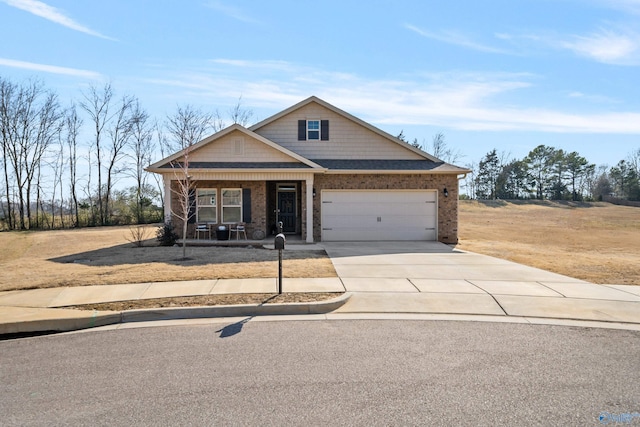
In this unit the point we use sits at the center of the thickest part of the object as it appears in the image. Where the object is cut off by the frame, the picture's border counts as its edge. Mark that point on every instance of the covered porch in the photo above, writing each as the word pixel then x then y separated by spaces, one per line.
pixel 258 199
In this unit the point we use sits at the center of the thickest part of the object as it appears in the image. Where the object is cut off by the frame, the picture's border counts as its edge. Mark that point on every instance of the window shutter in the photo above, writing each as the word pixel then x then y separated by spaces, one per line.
pixel 302 130
pixel 246 205
pixel 324 130
pixel 192 206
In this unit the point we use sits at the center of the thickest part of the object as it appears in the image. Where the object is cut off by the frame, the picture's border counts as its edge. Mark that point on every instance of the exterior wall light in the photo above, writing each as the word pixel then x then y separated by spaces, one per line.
pixel 446 192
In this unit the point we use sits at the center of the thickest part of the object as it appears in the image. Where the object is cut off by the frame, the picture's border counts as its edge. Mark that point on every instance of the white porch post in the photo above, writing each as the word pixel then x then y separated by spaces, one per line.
pixel 167 197
pixel 310 209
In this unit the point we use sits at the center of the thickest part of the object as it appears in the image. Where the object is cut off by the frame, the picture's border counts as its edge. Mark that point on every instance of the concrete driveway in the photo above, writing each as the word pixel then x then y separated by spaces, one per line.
pixel 431 277
pixel 427 260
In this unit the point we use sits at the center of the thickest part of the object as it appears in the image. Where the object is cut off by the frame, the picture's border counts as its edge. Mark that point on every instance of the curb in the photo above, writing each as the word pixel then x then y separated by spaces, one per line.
pixel 64 324
pixel 152 314
pixel 104 318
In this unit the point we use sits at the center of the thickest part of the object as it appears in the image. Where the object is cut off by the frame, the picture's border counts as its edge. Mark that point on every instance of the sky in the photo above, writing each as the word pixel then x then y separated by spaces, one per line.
pixel 503 74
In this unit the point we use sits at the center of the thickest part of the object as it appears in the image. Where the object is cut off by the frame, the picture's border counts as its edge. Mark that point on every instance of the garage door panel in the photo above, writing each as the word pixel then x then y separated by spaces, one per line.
pixel 378 215
pixel 355 221
pixel 379 234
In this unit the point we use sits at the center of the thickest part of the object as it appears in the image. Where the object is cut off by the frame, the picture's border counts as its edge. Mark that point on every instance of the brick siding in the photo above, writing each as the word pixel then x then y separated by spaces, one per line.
pixel 258 205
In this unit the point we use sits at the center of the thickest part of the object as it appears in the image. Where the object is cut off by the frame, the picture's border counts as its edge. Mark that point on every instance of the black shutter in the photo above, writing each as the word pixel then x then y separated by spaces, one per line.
pixel 192 206
pixel 302 130
pixel 246 205
pixel 324 130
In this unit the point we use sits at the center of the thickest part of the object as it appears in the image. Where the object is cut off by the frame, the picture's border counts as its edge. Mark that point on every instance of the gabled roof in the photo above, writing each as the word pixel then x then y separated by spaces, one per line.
pixel 164 164
pixel 315 99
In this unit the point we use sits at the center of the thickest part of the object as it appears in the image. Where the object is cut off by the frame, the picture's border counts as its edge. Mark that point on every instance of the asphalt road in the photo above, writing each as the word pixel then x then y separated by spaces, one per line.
pixel 384 372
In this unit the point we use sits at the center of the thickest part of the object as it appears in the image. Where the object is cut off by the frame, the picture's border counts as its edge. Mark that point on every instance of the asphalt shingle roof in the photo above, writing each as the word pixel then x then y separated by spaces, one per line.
pixel 339 164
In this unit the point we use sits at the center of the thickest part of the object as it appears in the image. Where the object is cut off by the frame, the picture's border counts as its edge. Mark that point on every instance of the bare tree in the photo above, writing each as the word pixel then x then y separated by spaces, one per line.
pixel 7 90
pixel 239 114
pixel 57 167
pixel 441 150
pixel 30 120
pixel 186 127
pixel 163 144
pixel 73 123
pixel 470 180
pixel 96 104
pixel 142 146
pixel 112 131
pixel 120 129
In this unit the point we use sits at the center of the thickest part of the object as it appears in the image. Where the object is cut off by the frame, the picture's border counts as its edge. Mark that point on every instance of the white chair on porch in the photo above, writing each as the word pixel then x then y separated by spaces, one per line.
pixel 238 228
pixel 202 228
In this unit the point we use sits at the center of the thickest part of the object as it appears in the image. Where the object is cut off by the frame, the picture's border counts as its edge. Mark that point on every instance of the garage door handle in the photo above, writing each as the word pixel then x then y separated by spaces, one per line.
pixel 327 229
pixel 327 201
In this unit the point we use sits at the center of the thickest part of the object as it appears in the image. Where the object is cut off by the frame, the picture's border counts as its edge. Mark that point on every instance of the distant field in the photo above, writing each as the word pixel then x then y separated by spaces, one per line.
pixel 597 242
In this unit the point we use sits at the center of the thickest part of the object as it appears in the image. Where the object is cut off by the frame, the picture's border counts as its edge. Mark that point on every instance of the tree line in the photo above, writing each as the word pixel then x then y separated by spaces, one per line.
pixel 545 173
pixel 553 174
pixel 63 165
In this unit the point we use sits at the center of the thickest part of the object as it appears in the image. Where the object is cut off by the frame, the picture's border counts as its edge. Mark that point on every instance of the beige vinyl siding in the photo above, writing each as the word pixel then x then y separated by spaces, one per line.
pixel 238 147
pixel 347 140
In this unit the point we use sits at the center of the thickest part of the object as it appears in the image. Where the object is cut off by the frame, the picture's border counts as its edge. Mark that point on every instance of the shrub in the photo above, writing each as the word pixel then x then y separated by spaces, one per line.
pixel 137 235
pixel 166 234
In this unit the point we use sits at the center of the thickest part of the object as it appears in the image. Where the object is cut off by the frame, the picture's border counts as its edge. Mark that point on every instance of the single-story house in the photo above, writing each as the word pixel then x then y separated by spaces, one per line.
pixel 325 174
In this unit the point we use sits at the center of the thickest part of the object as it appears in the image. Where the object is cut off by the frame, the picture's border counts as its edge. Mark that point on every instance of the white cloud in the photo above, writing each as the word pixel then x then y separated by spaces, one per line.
pixel 231 11
pixel 52 14
pixel 616 46
pixel 257 64
pixel 606 46
pixel 465 101
pixel 630 6
pixel 455 38
pixel 593 98
pixel 50 69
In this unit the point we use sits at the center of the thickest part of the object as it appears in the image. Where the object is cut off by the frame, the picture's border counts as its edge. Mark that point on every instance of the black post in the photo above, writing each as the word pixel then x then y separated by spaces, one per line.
pixel 279 243
pixel 279 271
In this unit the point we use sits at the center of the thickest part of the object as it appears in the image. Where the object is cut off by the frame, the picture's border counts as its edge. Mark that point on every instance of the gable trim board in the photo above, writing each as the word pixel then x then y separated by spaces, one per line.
pixel 404 191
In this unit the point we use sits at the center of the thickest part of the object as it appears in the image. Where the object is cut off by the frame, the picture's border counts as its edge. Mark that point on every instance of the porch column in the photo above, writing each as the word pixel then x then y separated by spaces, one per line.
pixel 167 197
pixel 309 205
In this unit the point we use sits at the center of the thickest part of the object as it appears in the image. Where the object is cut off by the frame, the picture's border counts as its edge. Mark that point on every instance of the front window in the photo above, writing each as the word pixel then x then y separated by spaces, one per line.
pixel 207 202
pixel 231 205
pixel 313 129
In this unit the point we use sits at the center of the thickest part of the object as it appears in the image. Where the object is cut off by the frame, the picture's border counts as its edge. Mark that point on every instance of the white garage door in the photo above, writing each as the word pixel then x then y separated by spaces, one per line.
pixel 355 215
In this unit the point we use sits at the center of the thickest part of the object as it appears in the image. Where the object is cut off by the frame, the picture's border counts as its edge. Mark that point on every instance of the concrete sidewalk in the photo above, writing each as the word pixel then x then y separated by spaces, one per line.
pixel 385 279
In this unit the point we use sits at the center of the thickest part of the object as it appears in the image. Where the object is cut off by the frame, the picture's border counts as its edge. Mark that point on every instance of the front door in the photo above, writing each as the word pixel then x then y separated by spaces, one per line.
pixel 287 208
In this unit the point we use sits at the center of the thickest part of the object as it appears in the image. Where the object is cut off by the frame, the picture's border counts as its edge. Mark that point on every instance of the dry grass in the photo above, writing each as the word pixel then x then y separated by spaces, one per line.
pixel 103 256
pixel 209 300
pixel 597 242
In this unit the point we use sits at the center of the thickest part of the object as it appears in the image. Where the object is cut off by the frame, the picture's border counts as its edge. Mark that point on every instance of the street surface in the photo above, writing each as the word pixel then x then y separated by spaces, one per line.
pixel 351 372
